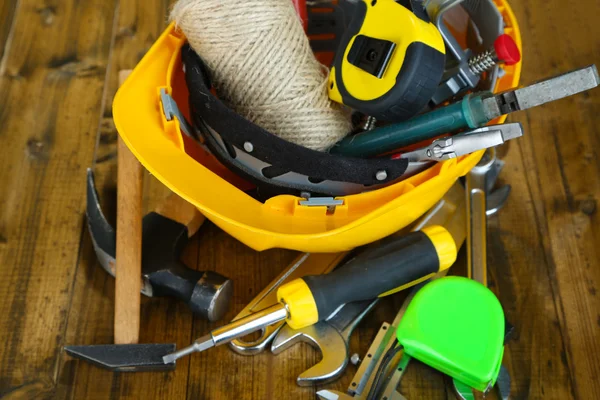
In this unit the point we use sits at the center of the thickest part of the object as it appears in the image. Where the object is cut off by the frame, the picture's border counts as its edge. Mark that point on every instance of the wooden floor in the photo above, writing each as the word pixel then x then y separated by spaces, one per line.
pixel 58 74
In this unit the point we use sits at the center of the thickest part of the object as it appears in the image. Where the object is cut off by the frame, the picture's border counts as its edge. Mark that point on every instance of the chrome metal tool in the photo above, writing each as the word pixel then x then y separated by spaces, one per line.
pixel 460 74
pixel 363 379
pixel 449 212
pixel 473 111
pixel 404 261
pixel 465 143
pixel 304 264
pixel 332 337
pixel 478 182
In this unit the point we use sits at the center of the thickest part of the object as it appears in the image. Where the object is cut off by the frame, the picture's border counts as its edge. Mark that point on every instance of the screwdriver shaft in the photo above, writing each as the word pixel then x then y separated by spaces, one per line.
pixel 249 324
pixel 233 330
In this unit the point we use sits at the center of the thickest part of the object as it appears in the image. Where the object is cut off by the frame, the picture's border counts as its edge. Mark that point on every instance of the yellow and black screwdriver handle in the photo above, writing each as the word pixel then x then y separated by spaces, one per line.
pixel 390 60
pixel 394 264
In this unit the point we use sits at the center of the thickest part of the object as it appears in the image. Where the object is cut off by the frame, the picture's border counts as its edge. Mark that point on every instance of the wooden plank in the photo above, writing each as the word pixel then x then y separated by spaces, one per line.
pixel 560 157
pixel 518 273
pixel 7 13
pixel 52 80
pixel 138 24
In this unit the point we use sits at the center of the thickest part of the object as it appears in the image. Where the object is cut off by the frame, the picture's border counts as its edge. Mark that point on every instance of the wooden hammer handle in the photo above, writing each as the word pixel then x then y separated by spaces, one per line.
pixel 128 275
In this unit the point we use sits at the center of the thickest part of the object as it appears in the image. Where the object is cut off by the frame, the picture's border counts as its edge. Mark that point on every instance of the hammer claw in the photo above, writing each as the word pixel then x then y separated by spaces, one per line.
pixel 206 293
pixel 102 233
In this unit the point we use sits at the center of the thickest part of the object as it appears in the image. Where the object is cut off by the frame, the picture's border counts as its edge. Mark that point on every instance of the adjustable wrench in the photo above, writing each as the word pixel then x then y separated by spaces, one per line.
pixel 449 212
pixel 332 336
pixel 364 377
pixel 480 181
pixel 306 264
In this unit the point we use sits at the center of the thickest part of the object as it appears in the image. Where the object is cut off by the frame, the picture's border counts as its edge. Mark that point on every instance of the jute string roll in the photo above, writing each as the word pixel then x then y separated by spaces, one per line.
pixel 262 66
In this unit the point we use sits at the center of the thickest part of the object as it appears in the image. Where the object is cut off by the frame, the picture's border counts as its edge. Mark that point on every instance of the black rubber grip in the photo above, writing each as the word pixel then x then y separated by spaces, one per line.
pixel 284 156
pixel 394 262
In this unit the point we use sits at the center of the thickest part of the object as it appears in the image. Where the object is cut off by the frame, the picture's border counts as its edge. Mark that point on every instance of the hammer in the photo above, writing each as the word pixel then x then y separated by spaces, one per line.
pixel 165 233
pixel 207 293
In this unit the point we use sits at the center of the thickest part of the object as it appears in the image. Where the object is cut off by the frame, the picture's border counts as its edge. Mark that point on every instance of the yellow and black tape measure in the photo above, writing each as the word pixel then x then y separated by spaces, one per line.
pixel 390 61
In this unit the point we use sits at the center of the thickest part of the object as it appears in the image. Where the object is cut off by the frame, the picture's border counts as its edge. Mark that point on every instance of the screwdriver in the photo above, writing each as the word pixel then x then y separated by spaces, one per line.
pixel 396 263
pixel 473 111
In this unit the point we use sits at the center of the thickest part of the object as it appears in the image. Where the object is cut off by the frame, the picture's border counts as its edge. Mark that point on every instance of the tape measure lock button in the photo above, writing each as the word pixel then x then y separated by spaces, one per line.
pixel 371 55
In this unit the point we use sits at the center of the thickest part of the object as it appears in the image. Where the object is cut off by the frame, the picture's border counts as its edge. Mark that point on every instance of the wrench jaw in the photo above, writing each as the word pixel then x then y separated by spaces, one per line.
pixel 497 199
pixel 322 336
pixel 305 264
pixel 331 337
pixel 480 186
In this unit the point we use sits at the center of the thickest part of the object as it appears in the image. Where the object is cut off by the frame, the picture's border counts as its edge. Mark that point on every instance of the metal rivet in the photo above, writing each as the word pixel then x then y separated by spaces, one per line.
pixel 248 147
pixel 355 359
pixel 381 175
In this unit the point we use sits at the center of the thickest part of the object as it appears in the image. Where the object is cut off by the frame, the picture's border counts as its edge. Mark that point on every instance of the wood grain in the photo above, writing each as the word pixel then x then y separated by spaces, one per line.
pixel 128 271
pixel 52 80
pixel 560 160
pixel 58 76
pixel 128 268
pixel 7 12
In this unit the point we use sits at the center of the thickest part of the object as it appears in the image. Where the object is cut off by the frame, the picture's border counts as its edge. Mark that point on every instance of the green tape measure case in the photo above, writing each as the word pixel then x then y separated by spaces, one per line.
pixel 456 325
pixel 390 61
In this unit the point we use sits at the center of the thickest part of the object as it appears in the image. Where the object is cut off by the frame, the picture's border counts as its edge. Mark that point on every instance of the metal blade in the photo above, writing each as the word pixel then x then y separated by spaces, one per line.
pixel 125 357
pixel 558 87
pixel 205 342
pixel 103 235
pixel 464 143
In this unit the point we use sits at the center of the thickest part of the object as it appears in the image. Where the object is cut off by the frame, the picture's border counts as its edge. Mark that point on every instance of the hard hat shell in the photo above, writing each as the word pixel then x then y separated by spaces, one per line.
pixel 189 170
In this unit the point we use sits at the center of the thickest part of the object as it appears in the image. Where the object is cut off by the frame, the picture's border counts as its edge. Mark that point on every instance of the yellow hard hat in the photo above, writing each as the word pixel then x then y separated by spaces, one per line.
pixel 192 172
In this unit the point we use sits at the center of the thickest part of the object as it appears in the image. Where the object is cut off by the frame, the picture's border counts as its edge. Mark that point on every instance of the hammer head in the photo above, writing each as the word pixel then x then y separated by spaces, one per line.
pixel 163 239
pixel 125 357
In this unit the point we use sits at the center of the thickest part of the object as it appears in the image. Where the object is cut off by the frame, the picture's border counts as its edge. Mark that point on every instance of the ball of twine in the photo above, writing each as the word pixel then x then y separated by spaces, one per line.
pixel 262 66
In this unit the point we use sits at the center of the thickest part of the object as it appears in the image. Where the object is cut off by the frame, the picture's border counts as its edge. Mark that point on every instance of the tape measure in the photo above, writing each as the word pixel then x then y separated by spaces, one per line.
pixel 390 60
